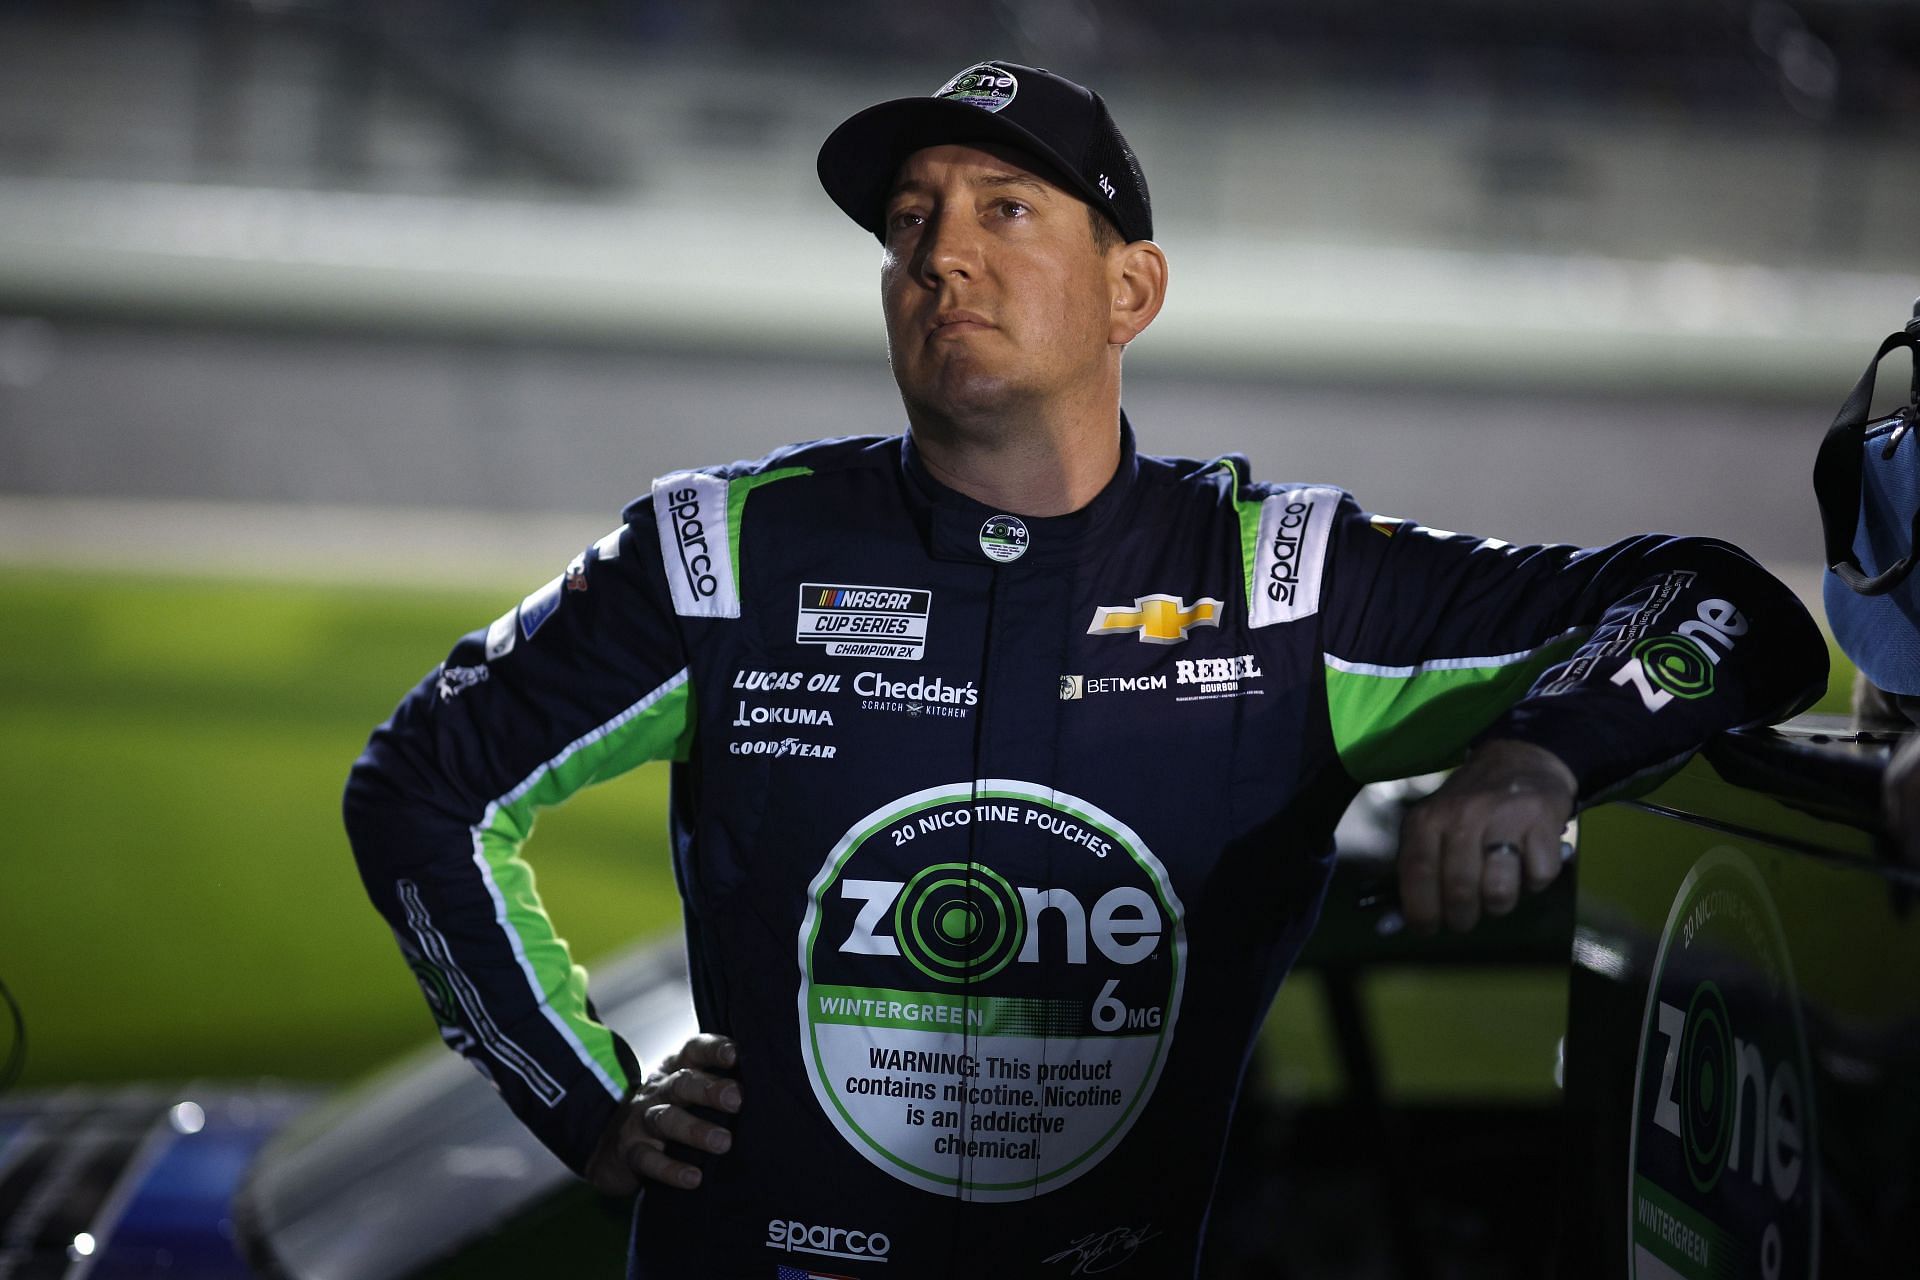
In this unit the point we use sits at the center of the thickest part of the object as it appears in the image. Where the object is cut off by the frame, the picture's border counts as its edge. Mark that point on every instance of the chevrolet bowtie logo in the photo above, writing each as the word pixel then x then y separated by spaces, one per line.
pixel 1158 619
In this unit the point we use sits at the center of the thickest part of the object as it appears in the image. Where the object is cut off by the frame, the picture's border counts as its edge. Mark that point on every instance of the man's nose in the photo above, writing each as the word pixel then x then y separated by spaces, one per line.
pixel 949 247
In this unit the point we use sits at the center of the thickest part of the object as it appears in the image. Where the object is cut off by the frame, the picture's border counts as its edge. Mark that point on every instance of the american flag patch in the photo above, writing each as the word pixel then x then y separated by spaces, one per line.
pixel 801 1273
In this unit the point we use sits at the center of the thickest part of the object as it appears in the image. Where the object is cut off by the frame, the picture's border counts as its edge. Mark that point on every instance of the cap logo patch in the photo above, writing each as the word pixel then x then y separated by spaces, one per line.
pixel 1106 186
pixel 982 85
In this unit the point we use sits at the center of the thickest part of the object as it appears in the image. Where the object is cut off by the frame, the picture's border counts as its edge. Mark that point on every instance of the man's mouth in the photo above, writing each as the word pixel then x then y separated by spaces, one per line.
pixel 957 322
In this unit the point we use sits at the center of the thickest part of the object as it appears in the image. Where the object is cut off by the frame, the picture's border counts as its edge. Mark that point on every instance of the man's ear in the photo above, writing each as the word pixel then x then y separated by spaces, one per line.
pixel 1137 279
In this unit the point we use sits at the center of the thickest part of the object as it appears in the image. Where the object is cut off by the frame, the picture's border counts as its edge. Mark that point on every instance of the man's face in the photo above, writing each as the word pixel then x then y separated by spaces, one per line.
pixel 995 293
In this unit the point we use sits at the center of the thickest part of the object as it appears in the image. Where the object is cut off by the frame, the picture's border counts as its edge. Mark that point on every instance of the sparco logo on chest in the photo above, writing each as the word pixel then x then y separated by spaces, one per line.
pixel 793 1236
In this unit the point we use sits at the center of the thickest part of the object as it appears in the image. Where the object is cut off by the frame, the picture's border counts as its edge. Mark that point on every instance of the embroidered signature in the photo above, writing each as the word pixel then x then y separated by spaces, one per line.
pixel 1103 1250
pixel 455 681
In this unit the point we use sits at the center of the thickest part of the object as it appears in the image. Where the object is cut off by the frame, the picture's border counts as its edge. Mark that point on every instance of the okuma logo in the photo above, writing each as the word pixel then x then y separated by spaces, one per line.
pixel 1724 1162
pixel 991 974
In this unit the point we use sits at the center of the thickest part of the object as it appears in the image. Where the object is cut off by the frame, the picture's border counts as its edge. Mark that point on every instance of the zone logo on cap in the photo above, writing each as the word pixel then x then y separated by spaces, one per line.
pixel 982 85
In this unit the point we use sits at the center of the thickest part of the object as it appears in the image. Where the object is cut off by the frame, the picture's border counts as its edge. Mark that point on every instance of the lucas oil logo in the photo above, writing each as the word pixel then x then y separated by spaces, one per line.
pixel 1724 1159
pixel 991 976
pixel 981 85
pixel 864 622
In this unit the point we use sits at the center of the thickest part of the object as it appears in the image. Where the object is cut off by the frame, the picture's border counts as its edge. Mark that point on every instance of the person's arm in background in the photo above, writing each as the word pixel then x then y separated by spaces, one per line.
pixel 1565 675
pixel 582 681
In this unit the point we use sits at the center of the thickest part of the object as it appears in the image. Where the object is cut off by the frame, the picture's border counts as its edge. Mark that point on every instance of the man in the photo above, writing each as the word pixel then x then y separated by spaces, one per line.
pixel 1007 757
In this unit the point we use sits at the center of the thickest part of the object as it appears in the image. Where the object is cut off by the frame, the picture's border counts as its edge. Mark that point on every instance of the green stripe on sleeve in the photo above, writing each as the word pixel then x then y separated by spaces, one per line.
pixel 658 727
pixel 737 491
pixel 1395 722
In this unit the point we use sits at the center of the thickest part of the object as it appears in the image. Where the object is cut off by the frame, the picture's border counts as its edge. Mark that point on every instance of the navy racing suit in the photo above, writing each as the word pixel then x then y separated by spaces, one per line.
pixel 996 835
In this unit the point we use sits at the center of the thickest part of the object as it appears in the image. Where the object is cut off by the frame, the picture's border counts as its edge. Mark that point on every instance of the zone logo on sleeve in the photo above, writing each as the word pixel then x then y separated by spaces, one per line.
pixel 1663 668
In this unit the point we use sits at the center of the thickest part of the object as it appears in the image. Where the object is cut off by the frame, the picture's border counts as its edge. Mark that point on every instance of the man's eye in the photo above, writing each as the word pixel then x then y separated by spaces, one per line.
pixel 1015 208
pixel 903 220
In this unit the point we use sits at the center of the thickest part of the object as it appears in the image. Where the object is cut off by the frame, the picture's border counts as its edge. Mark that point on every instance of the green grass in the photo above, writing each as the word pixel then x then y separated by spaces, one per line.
pixel 178 898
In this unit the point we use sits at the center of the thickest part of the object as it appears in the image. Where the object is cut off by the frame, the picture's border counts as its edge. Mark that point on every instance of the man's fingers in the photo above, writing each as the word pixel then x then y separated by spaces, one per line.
pixel 676 1124
pixel 1500 876
pixel 1461 865
pixel 1419 873
pixel 657 1165
pixel 1541 853
pixel 698 1089
pixel 707 1050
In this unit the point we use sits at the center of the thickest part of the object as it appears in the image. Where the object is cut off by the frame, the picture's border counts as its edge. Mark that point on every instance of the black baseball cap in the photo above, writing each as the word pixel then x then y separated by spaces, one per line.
pixel 1065 126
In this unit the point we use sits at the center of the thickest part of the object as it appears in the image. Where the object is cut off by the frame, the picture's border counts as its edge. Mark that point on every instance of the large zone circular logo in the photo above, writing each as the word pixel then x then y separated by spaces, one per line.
pixel 1725 1164
pixel 990 978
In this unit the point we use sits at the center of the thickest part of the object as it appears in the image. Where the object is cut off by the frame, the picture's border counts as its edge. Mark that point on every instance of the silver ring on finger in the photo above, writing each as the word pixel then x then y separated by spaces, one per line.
pixel 1501 846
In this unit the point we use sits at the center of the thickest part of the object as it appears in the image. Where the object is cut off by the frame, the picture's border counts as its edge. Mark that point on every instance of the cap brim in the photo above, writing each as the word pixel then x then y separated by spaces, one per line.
pixel 859 160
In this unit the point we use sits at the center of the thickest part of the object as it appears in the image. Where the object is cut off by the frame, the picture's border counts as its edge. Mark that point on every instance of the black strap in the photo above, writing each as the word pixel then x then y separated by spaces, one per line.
pixel 1837 474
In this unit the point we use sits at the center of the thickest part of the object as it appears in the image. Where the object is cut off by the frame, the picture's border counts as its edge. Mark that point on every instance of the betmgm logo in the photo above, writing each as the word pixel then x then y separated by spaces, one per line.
pixel 1723 1100
pixel 1681 665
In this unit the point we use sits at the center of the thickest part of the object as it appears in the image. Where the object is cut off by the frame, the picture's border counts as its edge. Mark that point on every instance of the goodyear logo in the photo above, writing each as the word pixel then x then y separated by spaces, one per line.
pixel 1156 619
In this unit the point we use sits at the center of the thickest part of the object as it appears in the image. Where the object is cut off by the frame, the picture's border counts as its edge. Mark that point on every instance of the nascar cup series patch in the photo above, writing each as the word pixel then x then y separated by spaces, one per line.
pixel 991 974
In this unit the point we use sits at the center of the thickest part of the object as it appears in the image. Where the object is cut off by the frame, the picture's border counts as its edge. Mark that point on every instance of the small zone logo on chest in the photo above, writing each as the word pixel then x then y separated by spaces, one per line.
pixel 864 621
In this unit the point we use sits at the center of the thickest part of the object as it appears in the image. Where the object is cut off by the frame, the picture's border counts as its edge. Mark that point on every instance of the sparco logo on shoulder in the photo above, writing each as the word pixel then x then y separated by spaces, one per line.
pixel 1283 572
pixel 690 510
pixel 690 539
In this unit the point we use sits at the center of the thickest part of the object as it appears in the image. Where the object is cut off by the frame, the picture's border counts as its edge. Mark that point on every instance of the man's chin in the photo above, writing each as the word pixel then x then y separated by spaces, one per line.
pixel 967 398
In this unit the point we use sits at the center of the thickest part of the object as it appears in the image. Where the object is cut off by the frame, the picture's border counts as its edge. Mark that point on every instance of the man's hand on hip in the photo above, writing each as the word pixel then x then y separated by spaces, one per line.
pixel 1494 824
pixel 634 1146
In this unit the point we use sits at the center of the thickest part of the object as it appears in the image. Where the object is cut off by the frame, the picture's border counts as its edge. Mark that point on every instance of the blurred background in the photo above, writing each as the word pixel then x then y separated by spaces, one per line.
pixel 330 328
